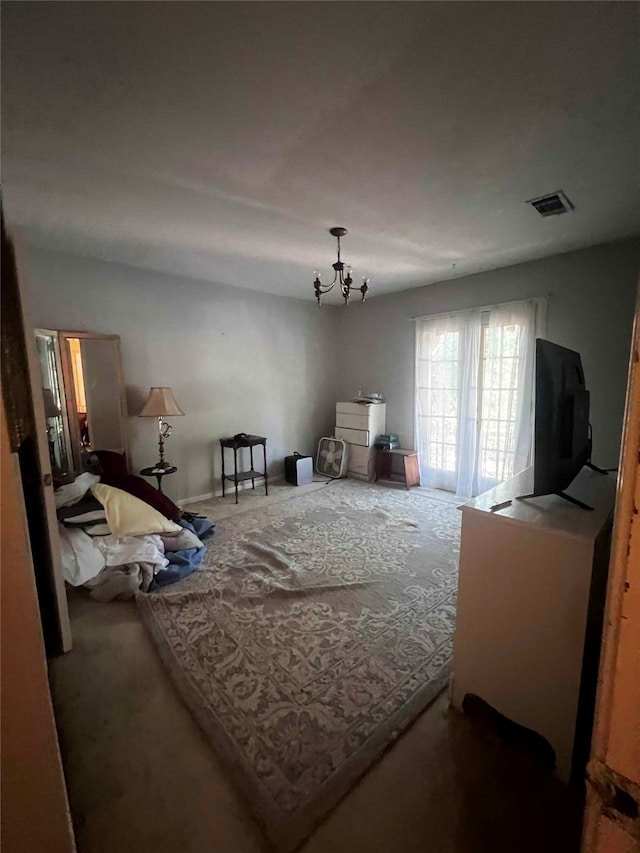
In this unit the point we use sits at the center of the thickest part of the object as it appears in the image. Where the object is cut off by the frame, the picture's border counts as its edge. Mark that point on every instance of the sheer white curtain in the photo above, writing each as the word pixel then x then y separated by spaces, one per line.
pixel 474 395
pixel 506 401
pixel 447 353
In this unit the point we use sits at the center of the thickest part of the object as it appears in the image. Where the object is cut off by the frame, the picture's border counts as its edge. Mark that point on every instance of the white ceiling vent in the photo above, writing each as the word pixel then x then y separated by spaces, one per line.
pixel 552 204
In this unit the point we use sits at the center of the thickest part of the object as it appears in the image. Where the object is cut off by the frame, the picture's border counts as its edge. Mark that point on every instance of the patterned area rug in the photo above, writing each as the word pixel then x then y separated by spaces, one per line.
pixel 316 630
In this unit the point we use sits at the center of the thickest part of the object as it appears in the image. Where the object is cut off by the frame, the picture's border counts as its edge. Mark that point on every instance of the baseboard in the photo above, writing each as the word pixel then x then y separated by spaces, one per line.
pixel 230 489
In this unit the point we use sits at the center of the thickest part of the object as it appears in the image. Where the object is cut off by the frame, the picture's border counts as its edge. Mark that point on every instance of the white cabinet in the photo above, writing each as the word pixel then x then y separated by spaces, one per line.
pixel 531 593
pixel 360 424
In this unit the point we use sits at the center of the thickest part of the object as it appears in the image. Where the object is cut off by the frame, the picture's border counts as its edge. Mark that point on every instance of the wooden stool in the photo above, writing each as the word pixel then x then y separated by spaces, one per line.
pixel 411 471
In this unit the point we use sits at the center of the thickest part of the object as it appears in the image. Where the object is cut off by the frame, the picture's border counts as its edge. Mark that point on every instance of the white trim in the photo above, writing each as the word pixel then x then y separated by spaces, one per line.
pixel 230 489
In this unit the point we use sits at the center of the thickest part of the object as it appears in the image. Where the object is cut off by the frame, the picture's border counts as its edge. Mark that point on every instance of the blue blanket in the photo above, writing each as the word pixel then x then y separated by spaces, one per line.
pixel 184 563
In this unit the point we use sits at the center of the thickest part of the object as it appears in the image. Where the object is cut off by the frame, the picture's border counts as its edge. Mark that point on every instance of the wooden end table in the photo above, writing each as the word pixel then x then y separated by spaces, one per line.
pixel 410 468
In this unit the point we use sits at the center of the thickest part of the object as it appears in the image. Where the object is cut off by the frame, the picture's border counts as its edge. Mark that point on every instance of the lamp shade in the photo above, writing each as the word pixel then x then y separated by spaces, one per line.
pixel 160 403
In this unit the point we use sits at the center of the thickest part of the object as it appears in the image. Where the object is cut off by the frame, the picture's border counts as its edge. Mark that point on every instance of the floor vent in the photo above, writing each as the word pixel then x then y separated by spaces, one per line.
pixel 552 204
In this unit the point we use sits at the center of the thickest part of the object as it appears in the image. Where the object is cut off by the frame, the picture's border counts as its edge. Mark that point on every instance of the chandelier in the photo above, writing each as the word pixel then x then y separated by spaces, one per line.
pixel 346 283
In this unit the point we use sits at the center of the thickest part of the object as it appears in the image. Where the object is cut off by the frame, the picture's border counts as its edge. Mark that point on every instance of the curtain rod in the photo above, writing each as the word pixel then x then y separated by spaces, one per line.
pixel 480 308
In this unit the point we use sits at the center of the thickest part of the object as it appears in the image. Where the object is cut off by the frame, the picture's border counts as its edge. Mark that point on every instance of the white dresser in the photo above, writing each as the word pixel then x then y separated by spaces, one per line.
pixel 360 424
pixel 531 592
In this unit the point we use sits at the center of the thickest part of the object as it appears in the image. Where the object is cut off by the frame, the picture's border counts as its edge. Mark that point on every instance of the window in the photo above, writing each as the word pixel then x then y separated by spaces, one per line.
pixel 441 422
pixel 498 405
pixel 474 381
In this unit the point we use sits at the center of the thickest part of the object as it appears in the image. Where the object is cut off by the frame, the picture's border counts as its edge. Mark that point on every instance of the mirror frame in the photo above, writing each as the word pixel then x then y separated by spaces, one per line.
pixel 54 334
pixel 70 397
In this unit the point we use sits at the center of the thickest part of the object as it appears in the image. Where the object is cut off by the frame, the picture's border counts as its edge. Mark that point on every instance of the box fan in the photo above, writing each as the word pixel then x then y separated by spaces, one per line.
pixel 332 458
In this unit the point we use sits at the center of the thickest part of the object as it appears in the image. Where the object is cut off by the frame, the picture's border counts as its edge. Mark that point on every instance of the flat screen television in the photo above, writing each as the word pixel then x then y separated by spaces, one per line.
pixel 562 436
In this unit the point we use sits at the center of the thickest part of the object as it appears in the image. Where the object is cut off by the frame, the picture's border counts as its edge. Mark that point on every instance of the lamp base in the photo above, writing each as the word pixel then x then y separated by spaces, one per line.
pixel 164 431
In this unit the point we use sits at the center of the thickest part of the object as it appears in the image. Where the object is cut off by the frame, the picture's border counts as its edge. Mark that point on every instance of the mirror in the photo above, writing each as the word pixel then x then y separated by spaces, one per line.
pixel 87 372
pixel 54 404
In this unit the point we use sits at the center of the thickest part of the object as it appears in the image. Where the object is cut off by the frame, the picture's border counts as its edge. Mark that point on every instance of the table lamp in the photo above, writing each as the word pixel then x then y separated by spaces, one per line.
pixel 161 404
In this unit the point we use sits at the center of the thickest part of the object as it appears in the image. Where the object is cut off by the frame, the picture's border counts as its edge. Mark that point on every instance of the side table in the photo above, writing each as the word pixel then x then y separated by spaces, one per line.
pixel 235 443
pixel 158 473
pixel 410 468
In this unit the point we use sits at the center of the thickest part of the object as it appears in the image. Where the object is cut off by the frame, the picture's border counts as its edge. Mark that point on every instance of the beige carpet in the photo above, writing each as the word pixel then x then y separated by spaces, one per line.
pixel 316 631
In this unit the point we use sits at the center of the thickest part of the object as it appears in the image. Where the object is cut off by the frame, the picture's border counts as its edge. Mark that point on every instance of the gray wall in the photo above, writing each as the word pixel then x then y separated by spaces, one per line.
pixel 236 360
pixel 240 360
pixel 590 309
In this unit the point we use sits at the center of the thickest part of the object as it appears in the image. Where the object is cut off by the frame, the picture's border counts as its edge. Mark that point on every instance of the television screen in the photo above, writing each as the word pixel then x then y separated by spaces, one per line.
pixel 562 441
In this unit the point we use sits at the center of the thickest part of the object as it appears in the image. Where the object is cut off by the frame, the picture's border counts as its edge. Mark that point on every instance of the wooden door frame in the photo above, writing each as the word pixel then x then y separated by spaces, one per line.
pixel 70 396
pixel 612 822
pixel 47 538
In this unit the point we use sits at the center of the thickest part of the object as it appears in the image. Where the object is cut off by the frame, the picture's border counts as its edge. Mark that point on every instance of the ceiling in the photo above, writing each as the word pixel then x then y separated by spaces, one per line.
pixel 222 140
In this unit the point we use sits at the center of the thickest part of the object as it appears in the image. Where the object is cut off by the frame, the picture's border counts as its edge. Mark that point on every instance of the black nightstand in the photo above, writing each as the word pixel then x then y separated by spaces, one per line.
pixel 235 443
pixel 158 473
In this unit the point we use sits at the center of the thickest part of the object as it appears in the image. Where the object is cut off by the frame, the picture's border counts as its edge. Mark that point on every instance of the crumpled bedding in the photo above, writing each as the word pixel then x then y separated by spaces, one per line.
pixel 81 560
pixel 185 561
pixel 84 557
pixel 118 568
pixel 121 582
pixel 72 493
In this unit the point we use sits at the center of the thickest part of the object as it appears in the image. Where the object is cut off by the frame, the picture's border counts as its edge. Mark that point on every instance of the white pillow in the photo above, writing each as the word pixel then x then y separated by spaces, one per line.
pixel 74 492
pixel 98 530
pixel 94 515
pixel 129 516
